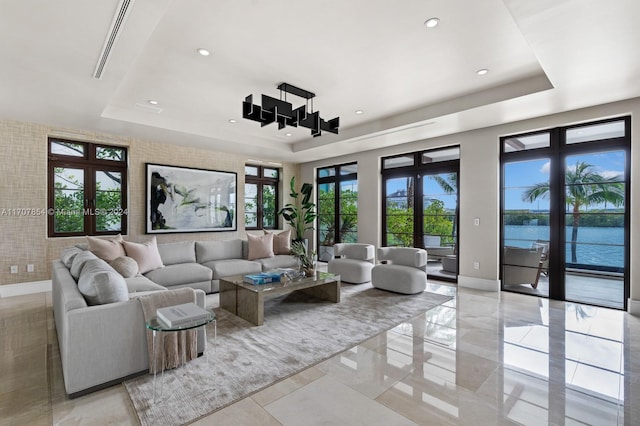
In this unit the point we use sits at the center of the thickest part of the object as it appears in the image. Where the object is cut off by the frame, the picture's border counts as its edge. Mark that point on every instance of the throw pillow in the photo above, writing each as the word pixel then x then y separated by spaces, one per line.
pixel 101 284
pixel 281 242
pixel 68 255
pixel 78 263
pixel 260 246
pixel 106 248
pixel 146 254
pixel 125 266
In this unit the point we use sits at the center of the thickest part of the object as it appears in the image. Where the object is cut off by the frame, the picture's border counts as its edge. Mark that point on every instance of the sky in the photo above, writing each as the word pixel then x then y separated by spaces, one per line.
pixel 520 175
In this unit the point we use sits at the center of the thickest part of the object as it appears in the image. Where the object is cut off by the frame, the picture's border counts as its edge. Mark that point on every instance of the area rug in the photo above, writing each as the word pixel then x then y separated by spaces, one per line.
pixel 298 332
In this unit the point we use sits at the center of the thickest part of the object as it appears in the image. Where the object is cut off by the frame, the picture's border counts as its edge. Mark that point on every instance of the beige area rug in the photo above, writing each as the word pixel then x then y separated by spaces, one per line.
pixel 298 332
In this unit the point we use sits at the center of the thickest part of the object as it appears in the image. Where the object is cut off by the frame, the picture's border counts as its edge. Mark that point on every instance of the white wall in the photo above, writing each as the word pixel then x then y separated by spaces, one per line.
pixel 480 187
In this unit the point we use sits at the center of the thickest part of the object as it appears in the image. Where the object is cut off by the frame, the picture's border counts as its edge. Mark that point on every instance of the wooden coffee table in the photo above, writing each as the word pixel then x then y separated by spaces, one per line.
pixel 247 300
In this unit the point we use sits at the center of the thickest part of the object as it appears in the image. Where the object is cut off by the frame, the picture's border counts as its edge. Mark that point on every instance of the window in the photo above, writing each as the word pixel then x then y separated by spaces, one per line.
pixel 87 189
pixel 337 207
pixel 260 197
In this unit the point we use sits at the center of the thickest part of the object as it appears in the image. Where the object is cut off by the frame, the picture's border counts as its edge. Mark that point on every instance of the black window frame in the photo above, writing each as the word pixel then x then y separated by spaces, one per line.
pixel 260 180
pixel 337 178
pixel 416 171
pixel 90 165
pixel 556 152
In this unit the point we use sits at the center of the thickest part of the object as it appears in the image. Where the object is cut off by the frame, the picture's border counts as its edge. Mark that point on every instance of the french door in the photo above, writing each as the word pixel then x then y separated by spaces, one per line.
pixel 420 193
pixel 565 218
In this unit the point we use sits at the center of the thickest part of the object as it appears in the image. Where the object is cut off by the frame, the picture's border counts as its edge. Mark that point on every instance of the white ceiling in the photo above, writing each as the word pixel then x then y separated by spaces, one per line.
pixel 543 56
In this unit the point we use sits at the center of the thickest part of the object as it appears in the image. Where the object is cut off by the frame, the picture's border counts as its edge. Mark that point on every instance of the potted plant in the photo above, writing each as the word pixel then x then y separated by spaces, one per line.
pixel 306 258
pixel 301 213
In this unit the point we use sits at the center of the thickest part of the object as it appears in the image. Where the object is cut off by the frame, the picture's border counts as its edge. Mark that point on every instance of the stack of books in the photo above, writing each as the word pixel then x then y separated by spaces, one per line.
pixel 182 315
pixel 262 278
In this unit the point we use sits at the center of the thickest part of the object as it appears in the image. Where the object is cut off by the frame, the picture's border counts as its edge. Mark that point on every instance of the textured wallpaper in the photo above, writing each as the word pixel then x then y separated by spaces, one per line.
pixel 23 193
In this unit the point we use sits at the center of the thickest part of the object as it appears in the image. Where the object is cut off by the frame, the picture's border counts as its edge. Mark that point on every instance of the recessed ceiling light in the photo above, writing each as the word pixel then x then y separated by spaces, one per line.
pixel 359 111
pixel 288 135
pixel 152 102
pixel 483 71
pixel 203 52
pixel 432 22
pixel 232 120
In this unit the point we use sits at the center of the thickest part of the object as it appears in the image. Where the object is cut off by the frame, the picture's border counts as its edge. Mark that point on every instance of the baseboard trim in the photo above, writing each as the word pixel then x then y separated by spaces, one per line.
pixel 633 307
pixel 478 283
pixel 21 289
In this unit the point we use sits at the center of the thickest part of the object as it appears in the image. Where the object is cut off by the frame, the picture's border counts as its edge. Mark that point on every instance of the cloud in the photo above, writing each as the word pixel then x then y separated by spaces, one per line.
pixel 545 168
pixel 611 174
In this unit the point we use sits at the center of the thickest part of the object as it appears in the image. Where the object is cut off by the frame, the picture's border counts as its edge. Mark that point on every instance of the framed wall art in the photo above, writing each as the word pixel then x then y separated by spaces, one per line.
pixel 181 199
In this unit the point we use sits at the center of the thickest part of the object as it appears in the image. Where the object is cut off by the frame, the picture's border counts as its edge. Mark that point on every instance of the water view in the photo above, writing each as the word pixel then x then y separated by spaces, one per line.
pixel 597 246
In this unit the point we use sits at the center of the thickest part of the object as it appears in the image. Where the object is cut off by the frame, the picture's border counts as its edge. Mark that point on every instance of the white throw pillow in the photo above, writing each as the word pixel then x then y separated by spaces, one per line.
pixel 106 248
pixel 78 262
pixel 260 247
pixel 100 284
pixel 146 254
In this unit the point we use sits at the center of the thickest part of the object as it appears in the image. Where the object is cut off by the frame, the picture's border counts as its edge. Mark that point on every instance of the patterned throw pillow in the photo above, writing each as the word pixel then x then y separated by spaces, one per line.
pixel 125 266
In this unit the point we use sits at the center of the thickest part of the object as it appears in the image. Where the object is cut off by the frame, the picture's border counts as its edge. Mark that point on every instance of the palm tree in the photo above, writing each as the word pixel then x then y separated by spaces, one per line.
pixel 449 185
pixel 585 187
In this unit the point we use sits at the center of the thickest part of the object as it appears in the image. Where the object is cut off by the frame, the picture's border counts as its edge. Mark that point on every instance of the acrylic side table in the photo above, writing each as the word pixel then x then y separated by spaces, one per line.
pixel 160 329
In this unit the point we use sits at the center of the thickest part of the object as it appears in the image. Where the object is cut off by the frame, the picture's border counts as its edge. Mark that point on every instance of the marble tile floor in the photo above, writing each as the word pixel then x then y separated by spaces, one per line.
pixel 480 359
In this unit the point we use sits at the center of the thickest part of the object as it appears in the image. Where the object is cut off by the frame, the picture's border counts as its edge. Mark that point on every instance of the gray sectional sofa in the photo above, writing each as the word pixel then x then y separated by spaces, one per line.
pixel 201 264
pixel 105 343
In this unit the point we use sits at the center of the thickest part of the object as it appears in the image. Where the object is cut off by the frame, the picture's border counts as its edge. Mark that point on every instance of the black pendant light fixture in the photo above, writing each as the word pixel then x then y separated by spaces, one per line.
pixel 280 111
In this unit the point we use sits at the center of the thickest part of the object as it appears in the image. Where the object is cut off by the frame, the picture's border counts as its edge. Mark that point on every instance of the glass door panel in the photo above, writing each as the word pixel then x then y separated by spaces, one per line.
pixel 525 222
pixel 439 224
pixel 594 234
pixel 399 211
pixel 326 221
pixel 348 215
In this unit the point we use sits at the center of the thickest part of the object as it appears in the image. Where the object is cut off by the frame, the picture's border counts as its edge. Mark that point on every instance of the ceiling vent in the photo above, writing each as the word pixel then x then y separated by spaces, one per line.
pixel 117 24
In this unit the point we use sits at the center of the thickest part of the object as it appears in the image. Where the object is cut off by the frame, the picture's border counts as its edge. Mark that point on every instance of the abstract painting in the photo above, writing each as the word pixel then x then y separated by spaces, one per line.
pixel 181 199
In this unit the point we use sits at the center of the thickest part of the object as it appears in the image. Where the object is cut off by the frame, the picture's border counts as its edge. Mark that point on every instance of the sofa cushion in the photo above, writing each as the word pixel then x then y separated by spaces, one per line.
pixel 181 273
pixel 281 242
pixel 228 267
pixel 68 254
pixel 260 246
pixel 179 252
pixel 140 283
pixel 207 251
pixel 279 261
pixel 106 248
pixel 78 262
pixel 99 283
pixel 125 266
pixel 146 254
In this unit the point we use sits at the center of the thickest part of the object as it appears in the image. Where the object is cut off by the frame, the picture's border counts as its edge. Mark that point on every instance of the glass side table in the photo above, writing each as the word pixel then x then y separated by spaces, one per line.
pixel 160 329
